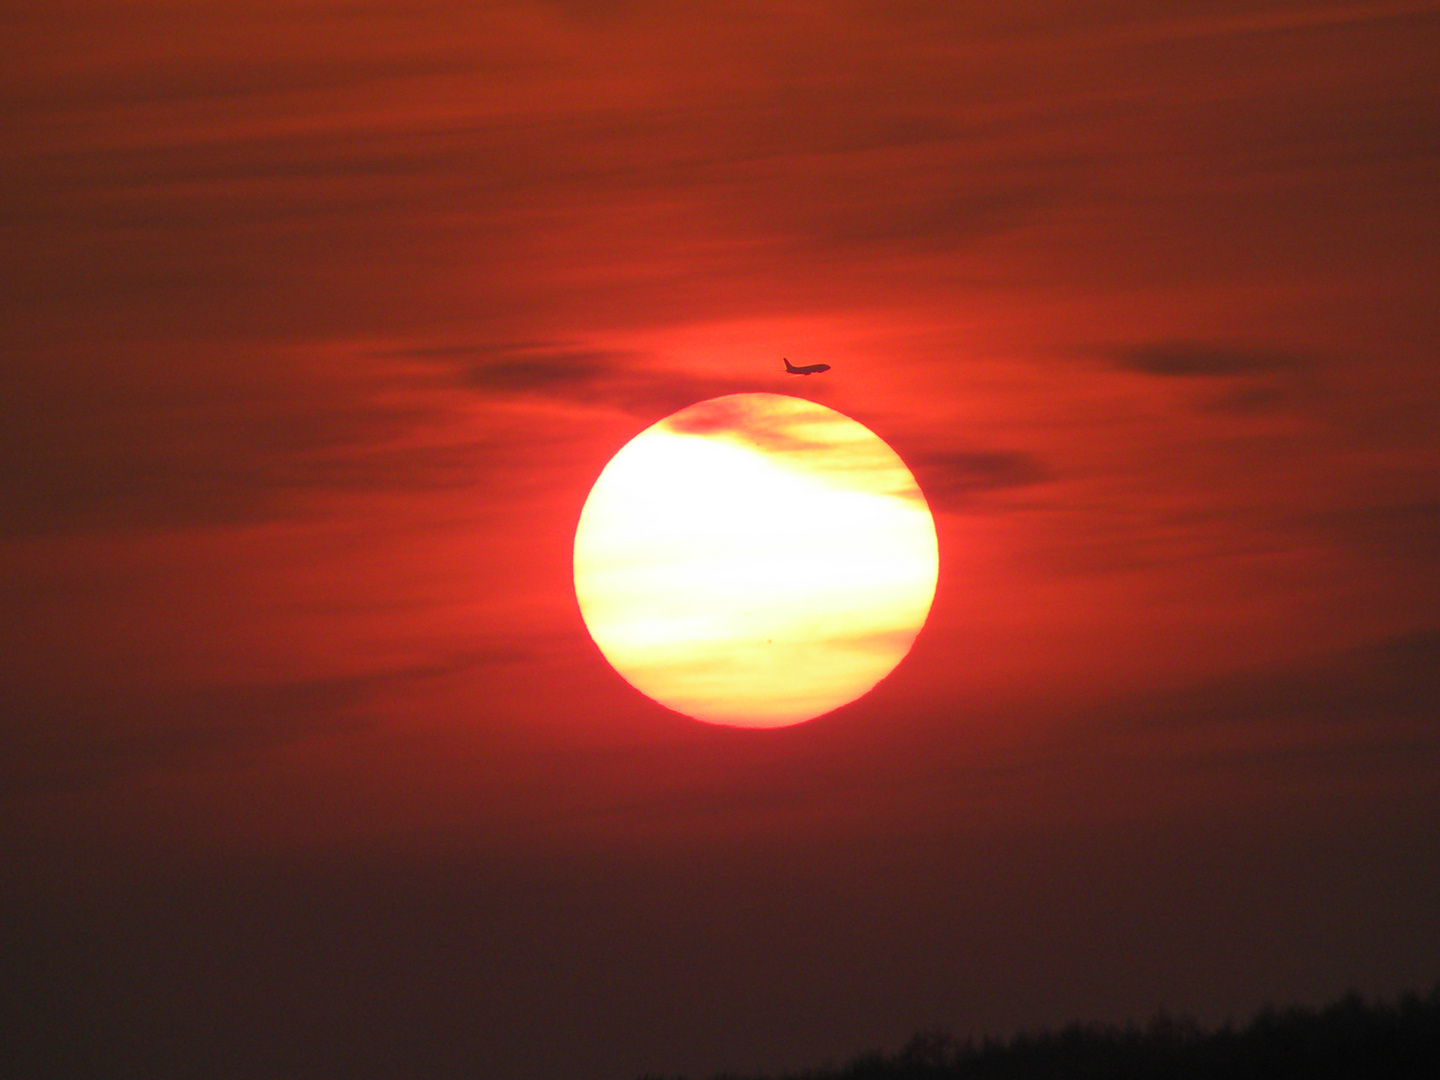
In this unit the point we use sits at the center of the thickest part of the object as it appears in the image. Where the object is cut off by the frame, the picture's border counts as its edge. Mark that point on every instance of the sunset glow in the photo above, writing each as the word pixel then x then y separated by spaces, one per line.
pixel 755 560
pixel 399 455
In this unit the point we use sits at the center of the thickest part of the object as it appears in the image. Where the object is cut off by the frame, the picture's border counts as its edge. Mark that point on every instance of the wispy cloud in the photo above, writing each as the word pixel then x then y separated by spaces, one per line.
pixel 1350 710
pixel 630 382
pixel 953 479
pixel 1184 359
pixel 66 742
pixel 144 441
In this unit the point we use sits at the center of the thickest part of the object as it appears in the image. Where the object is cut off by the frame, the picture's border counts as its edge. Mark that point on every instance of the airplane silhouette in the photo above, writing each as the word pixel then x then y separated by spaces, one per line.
pixel 808 369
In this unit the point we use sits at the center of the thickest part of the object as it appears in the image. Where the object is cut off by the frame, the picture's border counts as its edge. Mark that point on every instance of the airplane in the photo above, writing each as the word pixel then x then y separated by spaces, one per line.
pixel 808 369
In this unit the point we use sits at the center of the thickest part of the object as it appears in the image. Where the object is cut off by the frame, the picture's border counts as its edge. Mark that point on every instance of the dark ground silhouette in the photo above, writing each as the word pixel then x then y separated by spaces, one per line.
pixel 1352 1039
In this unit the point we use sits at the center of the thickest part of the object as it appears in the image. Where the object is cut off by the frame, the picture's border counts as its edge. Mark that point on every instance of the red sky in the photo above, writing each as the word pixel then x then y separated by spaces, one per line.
pixel 322 317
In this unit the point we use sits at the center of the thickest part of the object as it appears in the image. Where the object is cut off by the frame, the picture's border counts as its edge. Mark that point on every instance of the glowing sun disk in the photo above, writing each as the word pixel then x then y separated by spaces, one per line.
pixel 755 560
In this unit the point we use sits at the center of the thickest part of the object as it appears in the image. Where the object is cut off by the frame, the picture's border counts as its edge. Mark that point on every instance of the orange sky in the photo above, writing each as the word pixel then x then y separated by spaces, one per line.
pixel 322 318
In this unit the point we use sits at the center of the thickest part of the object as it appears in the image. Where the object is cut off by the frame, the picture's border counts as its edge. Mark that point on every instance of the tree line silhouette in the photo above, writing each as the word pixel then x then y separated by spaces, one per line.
pixel 1351 1039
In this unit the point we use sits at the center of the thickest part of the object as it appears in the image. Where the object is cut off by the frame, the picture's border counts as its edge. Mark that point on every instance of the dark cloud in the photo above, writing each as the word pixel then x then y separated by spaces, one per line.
pixel 1251 398
pixel 952 479
pixel 60 741
pixel 620 380
pixel 1200 360
pixel 1379 698
pixel 92 742
pixel 548 371
pixel 139 443
pixel 1409 531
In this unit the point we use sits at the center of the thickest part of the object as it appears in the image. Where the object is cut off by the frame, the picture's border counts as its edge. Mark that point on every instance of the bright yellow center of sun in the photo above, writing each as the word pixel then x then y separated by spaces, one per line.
pixel 755 560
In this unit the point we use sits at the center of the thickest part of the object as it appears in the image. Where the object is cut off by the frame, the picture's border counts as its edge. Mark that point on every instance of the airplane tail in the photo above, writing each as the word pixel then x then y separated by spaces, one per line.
pixel 789 366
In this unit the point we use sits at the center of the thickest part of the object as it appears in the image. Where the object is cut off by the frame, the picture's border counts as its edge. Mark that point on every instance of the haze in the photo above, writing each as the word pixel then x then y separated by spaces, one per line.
pixel 321 320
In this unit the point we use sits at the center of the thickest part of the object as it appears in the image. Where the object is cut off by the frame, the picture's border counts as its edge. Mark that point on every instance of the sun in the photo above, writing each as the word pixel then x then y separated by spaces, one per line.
pixel 755 560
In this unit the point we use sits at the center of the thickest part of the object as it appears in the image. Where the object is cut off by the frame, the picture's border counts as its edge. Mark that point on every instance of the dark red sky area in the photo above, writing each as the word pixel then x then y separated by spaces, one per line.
pixel 321 318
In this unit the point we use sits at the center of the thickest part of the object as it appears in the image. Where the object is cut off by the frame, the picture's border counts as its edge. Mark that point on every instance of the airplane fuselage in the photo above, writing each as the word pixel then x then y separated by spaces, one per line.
pixel 808 369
